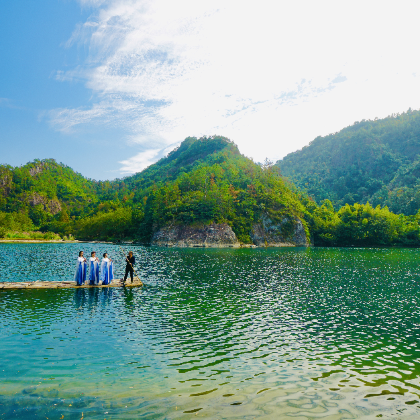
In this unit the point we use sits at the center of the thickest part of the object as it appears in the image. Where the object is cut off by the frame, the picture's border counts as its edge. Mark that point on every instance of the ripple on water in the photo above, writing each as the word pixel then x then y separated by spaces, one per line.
pixel 302 333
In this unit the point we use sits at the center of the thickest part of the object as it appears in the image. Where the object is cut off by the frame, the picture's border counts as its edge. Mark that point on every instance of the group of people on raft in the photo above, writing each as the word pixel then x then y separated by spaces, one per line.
pixel 102 273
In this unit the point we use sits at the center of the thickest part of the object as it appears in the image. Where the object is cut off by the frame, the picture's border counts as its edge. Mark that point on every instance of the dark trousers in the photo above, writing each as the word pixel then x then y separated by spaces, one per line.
pixel 130 270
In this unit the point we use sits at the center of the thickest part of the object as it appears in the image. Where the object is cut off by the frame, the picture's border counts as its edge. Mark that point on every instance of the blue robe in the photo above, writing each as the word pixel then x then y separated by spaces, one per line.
pixel 80 275
pixel 107 272
pixel 94 273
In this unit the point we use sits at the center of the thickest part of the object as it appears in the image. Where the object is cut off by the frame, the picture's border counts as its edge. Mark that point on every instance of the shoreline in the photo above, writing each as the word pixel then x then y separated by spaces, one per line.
pixel 48 241
pixel 199 246
pixel 53 241
pixel 241 246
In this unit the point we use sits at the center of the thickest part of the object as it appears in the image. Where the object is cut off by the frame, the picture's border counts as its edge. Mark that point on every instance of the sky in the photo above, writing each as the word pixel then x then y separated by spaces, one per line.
pixel 110 86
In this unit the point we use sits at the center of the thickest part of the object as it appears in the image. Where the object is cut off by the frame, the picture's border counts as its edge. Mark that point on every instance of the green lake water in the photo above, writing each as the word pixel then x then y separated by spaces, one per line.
pixel 220 334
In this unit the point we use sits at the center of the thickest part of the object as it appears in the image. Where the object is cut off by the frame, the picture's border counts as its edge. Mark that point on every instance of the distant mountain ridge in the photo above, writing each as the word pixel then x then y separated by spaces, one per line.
pixel 376 161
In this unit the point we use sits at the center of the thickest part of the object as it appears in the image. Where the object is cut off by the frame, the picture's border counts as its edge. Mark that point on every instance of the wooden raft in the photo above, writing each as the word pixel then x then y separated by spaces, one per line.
pixel 65 284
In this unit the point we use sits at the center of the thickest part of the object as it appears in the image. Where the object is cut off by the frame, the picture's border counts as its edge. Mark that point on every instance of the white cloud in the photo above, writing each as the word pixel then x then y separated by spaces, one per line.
pixel 270 75
pixel 144 159
pixel 140 161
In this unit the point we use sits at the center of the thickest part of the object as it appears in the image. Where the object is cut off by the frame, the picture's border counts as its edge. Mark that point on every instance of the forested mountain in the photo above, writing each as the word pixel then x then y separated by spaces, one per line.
pixel 371 161
pixel 207 181
pixel 203 180
pixel 42 189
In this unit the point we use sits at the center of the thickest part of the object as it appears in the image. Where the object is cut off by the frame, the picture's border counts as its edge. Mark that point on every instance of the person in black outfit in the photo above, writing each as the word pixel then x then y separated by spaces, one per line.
pixel 130 260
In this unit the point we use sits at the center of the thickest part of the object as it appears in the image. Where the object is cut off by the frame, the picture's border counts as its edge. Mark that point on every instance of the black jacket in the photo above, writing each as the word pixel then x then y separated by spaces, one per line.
pixel 132 261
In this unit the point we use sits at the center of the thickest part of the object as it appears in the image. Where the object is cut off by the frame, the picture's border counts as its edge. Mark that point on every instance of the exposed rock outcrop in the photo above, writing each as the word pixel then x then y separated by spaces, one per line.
pixel 288 232
pixel 5 184
pixel 36 169
pixel 52 206
pixel 211 236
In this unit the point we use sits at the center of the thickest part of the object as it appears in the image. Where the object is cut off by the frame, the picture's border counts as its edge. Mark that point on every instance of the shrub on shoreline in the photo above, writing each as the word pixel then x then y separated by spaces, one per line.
pixel 47 236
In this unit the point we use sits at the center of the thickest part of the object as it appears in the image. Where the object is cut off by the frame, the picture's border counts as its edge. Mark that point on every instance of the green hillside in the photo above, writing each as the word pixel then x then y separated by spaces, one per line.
pixel 204 180
pixel 371 161
pixel 43 189
pixel 207 180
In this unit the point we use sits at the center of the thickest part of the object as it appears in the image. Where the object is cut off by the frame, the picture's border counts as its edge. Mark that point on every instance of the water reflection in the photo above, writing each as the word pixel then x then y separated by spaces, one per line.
pixel 79 298
pixel 90 299
pixel 128 294
pixel 222 333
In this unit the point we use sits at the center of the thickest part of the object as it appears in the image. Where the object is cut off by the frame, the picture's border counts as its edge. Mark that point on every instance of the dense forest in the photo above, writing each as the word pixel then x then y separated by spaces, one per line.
pixel 361 225
pixel 203 181
pixel 371 161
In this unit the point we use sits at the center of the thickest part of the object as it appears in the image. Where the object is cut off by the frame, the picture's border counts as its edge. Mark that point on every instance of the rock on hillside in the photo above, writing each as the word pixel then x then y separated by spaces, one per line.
pixel 288 232
pixel 264 234
pixel 52 206
pixel 212 236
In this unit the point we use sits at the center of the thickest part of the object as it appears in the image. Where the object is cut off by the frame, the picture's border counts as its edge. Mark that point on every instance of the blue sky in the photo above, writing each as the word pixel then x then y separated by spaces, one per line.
pixel 32 46
pixel 109 86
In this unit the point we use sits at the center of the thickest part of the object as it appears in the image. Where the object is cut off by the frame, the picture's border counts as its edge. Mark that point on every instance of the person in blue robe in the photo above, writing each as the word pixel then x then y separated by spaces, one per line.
pixel 93 269
pixel 80 275
pixel 107 270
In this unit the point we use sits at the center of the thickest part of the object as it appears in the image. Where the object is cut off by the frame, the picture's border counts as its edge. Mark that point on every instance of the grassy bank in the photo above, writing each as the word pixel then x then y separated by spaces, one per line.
pixel 30 236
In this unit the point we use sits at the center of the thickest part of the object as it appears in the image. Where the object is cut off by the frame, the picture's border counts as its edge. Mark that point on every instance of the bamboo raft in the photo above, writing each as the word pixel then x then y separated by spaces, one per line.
pixel 66 284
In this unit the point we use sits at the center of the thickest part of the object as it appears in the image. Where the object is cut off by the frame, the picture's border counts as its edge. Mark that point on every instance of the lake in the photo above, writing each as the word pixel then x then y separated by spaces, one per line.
pixel 216 333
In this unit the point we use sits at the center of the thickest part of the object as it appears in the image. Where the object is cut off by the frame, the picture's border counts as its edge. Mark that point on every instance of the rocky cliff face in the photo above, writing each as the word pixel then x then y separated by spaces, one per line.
pixel 214 236
pixel 288 232
pixel 52 206
pixel 5 184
